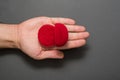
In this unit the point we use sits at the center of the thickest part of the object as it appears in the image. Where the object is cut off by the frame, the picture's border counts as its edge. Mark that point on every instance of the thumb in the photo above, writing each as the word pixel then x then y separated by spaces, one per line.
pixel 54 54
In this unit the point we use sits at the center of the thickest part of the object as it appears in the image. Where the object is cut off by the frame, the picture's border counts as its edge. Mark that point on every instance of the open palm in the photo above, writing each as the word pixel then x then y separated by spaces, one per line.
pixel 28 37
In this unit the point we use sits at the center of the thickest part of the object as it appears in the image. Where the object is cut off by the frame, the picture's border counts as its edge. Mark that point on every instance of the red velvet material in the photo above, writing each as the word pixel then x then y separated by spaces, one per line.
pixel 50 36
pixel 61 34
pixel 46 35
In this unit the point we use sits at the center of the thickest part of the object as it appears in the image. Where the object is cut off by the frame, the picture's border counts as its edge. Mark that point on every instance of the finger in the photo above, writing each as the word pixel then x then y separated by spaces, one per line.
pixel 72 44
pixel 63 20
pixel 80 35
pixel 53 54
pixel 75 28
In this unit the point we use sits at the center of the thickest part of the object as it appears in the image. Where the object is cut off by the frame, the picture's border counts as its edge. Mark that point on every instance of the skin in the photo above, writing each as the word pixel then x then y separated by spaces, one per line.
pixel 24 36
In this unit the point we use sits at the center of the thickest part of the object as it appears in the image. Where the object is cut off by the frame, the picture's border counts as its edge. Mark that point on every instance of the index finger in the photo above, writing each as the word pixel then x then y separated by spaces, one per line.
pixel 62 20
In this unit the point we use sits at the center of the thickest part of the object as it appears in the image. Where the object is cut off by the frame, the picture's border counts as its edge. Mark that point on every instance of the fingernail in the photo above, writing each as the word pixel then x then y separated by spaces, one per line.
pixel 61 55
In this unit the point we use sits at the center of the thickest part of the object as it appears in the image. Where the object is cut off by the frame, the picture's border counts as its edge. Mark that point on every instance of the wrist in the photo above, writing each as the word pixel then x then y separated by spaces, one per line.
pixel 8 36
pixel 14 34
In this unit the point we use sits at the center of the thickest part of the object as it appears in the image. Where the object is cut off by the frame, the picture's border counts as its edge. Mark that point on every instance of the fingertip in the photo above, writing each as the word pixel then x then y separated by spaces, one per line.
pixel 87 34
pixel 60 55
pixel 83 42
pixel 71 21
pixel 57 55
pixel 83 28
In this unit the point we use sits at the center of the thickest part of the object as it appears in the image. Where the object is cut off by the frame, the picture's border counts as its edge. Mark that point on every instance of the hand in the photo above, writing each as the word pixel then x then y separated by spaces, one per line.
pixel 28 37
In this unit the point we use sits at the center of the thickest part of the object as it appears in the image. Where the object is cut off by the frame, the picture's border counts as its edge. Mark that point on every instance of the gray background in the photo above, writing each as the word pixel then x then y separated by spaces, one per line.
pixel 98 60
